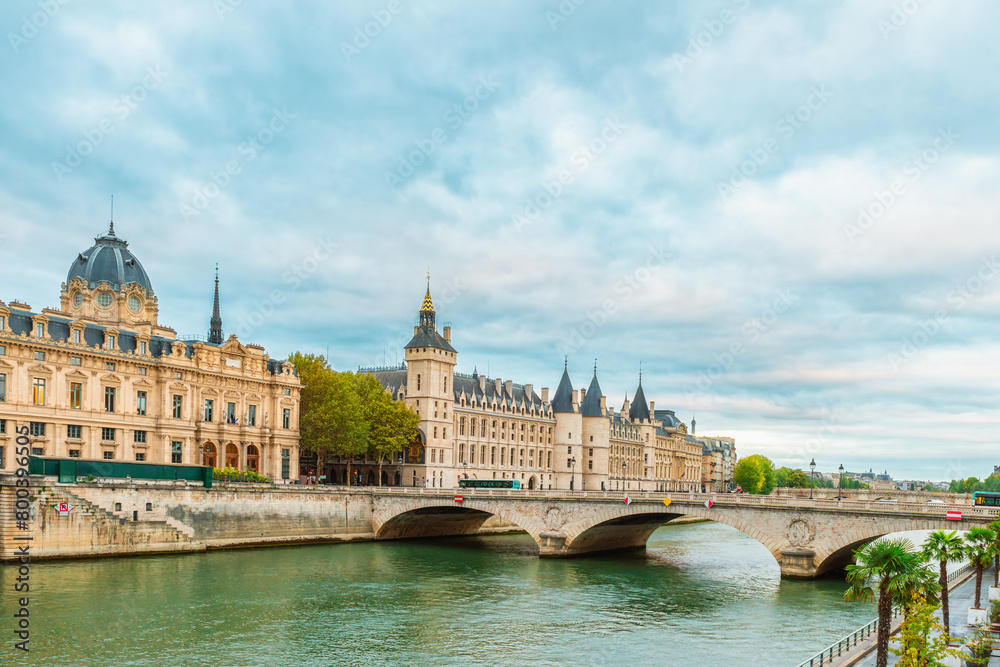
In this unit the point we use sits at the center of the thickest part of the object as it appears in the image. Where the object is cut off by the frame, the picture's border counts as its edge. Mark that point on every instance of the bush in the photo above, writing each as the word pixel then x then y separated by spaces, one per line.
pixel 235 475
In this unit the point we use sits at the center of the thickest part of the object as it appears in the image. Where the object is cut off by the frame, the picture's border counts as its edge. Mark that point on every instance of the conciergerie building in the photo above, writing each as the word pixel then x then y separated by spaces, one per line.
pixel 489 428
pixel 101 378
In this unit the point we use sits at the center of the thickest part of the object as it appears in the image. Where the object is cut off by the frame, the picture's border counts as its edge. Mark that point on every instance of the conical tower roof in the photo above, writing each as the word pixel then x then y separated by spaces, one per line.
pixel 591 406
pixel 562 400
pixel 639 408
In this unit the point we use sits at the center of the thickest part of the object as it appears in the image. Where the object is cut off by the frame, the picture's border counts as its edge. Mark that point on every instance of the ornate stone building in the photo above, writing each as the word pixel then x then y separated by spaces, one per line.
pixel 100 378
pixel 489 428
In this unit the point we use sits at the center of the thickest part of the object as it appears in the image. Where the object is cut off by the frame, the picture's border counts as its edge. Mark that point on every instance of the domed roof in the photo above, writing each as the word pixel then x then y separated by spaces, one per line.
pixel 109 259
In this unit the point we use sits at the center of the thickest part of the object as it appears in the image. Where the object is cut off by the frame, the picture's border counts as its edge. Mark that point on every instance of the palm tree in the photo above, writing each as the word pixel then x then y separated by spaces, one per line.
pixel 893 567
pixel 944 546
pixel 995 527
pixel 979 552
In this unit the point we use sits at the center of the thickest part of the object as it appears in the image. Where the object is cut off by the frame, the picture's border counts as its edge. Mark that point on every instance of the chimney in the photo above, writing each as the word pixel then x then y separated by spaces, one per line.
pixel 604 405
pixel 415 329
pixel 498 384
pixel 583 394
pixel 576 398
pixel 482 383
pixel 652 410
pixel 510 387
pixel 528 393
pixel 545 394
pixel 625 408
pixel 447 334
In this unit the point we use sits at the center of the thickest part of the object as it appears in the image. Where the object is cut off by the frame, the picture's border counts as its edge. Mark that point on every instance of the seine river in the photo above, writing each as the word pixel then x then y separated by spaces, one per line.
pixel 702 594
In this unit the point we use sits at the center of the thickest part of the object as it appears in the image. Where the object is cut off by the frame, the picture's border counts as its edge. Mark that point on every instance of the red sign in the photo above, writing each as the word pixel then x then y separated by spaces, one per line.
pixel 953 515
pixel 459 499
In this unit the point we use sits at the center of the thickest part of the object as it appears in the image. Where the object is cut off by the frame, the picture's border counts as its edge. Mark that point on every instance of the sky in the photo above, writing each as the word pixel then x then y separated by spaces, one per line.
pixel 786 214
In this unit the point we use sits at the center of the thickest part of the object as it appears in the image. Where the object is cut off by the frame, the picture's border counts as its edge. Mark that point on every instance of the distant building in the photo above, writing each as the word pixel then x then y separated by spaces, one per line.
pixel 718 463
pixel 100 378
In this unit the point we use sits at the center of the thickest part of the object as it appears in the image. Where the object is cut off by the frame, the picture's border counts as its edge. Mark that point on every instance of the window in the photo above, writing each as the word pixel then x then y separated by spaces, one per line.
pixel 75 395
pixel 109 365
pixel 435 431
pixel 39 355
pixel 3 322
pixel 3 429
pixel 118 506
pixel 286 418
pixel 140 403
pixel 142 370
pixel 74 453
pixel 286 463
pixel 107 434
pixel 591 438
pixel 76 336
pixel 231 413
pixel 251 415
pixel 209 408
pixel 569 463
pixel 418 381
pixel 178 405
pixel 38 451
pixel 111 343
pixel 109 399
pixel 74 431
pixel 178 375
pixel 104 299
pixel 39 330
pixel 288 392
pixel 38 391
pixel 3 350
pixel 434 454
pixel 503 454
pixel 139 437
pixel 142 347
pixel 149 507
pixel 111 455
pixel 548 460
pixel 3 387
pixel 37 429
pixel 175 452
pixel 569 448
pixel 590 465
pixel 140 456
pixel 75 361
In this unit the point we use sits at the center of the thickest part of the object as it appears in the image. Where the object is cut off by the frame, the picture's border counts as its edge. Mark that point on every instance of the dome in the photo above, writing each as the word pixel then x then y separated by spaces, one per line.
pixel 109 260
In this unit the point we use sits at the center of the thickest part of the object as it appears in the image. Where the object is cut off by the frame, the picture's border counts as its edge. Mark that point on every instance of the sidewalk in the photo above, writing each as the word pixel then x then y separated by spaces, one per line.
pixel 960 600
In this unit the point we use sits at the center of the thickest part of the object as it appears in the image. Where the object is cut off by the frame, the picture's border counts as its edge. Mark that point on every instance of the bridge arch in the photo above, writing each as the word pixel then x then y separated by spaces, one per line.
pixel 434 517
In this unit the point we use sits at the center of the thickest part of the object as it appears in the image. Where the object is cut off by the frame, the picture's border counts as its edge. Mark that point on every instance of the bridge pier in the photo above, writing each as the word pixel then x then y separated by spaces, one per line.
pixel 798 563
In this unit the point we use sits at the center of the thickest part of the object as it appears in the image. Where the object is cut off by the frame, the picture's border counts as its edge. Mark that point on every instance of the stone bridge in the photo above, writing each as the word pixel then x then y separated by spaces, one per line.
pixel 806 537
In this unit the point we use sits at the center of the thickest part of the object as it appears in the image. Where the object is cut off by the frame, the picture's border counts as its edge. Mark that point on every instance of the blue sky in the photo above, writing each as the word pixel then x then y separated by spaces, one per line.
pixel 788 214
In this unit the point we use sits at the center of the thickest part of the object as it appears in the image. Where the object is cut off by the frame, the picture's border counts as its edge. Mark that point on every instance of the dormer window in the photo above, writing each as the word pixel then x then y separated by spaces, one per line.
pixel 76 336
pixel 39 330
pixel 111 342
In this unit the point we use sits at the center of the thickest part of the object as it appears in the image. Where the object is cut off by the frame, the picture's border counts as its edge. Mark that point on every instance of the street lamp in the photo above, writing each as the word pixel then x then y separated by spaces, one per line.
pixel 812 477
pixel 572 473
pixel 840 480
pixel 624 468
pixel 399 470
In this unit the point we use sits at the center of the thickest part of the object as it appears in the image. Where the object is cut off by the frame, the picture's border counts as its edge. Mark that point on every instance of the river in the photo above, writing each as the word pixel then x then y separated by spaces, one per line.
pixel 702 594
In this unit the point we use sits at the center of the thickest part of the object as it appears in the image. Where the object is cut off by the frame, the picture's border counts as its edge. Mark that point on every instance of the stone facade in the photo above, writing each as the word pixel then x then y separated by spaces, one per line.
pixel 488 428
pixel 100 378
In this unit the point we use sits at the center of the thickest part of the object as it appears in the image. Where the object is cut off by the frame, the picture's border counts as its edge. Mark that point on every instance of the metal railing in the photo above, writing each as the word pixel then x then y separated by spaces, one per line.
pixel 837 649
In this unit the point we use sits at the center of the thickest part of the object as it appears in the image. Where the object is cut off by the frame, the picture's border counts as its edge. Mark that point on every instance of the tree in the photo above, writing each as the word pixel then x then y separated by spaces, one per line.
pixel 943 547
pixel 391 425
pixel 923 641
pixel 797 480
pixel 979 552
pixel 995 527
pixel 891 567
pixel 331 422
pixel 929 487
pixel 755 474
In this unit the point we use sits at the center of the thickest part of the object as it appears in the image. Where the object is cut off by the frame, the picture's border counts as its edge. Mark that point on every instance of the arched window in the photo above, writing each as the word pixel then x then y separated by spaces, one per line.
pixel 253 459
pixel 232 456
pixel 472 454
pixel 503 455
pixel 461 426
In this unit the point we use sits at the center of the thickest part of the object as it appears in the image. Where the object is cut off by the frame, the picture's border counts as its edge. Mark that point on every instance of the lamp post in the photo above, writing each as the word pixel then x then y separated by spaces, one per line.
pixel 840 481
pixel 812 477
pixel 399 469
pixel 624 468
pixel 572 473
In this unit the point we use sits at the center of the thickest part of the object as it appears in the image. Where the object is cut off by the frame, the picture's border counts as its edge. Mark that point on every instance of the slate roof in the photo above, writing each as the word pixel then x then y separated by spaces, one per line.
pixel 591 406
pixel 562 400
pixel 426 337
pixel 393 379
pixel 639 408
pixel 668 418
pixel 109 260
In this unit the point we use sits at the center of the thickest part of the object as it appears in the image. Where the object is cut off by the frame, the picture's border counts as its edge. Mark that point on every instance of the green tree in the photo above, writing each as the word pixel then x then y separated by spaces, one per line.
pixel 923 641
pixel 971 485
pixel 889 567
pixel 929 487
pixel 797 480
pixel 755 474
pixel 781 477
pixel 331 421
pixel 943 546
pixel 979 552
pixel 995 527
pixel 391 425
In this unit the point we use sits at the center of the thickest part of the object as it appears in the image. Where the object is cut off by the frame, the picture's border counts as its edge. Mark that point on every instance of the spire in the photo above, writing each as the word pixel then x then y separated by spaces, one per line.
pixel 639 408
pixel 215 332
pixel 562 400
pixel 693 424
pixel 591 406
pixel 111 230
pixel 427 308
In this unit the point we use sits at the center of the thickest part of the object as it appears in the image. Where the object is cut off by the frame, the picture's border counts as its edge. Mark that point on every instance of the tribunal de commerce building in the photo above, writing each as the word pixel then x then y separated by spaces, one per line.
pixel 100 378
pixel 488 428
